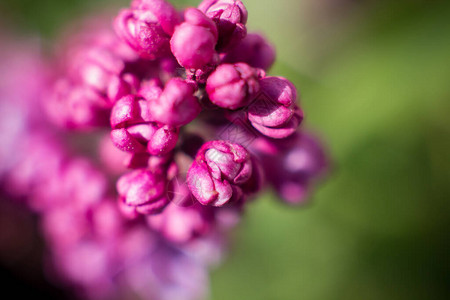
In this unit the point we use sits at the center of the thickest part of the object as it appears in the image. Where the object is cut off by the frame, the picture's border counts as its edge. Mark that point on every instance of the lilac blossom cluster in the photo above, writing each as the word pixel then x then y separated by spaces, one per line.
pixel 183 127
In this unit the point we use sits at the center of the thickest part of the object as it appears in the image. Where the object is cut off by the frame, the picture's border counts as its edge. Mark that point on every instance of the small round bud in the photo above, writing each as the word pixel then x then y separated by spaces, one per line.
pixel 230 17
pixel 233 86
pixel 193 41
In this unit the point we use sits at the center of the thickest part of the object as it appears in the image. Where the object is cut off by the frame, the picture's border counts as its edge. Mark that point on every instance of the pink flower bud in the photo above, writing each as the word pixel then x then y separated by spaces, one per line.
pixel 143 190
pixel 147 27
pixel 76 107
pixel 193 41
pixel 254 50
pixel 233 86
pixel 230 17
pixel 217 173
pixel 128 111
pixel 148 137
pixel 183 224
pixel 292 165
pixel 274 112
pixel 177 105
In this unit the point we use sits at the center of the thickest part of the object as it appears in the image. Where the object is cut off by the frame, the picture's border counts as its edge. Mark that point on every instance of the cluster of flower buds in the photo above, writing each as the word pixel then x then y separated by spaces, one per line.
pixel 194 129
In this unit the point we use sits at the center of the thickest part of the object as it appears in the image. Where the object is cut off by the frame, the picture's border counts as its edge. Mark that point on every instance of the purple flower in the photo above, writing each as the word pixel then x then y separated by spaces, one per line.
pixel 233 86
pixel 194 40
pixel 151 138
pixel 254 50
pixel 230 17
pixel 274 111
pixel 181 224
pixel 76 106
pixel 133 131
pixel 177 105
pixel 292 165
pixel 147 27
pixel 218 172
pixel 144 191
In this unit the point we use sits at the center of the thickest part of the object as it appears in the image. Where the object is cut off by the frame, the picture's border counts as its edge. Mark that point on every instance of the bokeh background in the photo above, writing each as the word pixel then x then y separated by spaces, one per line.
pixel 375 83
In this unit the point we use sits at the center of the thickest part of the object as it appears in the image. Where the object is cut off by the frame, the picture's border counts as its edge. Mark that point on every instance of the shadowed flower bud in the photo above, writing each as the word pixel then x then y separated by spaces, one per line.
pixel 183 224
pixel 217 173
pixel 194 40
pixel 230 17
pixel 254 50
pixel 274 112
pixel 147 27
pixel 233 86
pixel 144 191
pixel 292 165
pixel 177 105
pixel 76 107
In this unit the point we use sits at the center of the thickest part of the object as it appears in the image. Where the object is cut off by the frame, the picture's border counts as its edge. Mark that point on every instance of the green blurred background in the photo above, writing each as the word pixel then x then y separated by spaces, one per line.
pixel 375 83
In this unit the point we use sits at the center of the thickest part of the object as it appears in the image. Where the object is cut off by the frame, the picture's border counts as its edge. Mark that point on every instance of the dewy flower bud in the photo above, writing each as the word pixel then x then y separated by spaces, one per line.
pixel 217 173
pixel 274 112
pixel 177 105
pixel 254 50
pixel 143 190
pixel 147 27
pixel 230 17
pixel 194 40
pixel 233 86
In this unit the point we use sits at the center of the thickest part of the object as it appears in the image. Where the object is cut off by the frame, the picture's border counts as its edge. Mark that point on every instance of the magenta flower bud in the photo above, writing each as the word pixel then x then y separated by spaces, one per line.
pixel 274 112
pixel 254 50
pixel 143 190
pixel 163 140
pixel 292 165
pixel 151 89
pixel 177 105
pixel 128 111
pixel 194 40
pixel 230 17
pixel 76 107
pixel 199 76
pixel 233 86
pixel 120 86
pixel 217 173
pixel 183 224
pixel 132 142
pixel 147 27
pixel 148 137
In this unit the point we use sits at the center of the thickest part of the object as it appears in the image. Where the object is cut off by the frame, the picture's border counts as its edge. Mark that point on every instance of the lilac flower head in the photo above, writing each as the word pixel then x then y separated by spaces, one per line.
pixel 217 173
pixel 177 105
pixel 274 112
pixel 233 86
pixel 254 50
pixel 143 190
pixel 194 40
pixel 179 199
pixel 230 17
pixel 147 27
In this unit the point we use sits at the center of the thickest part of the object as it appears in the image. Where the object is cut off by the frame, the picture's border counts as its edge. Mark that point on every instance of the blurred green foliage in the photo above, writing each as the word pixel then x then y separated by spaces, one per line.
pixel 375 83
